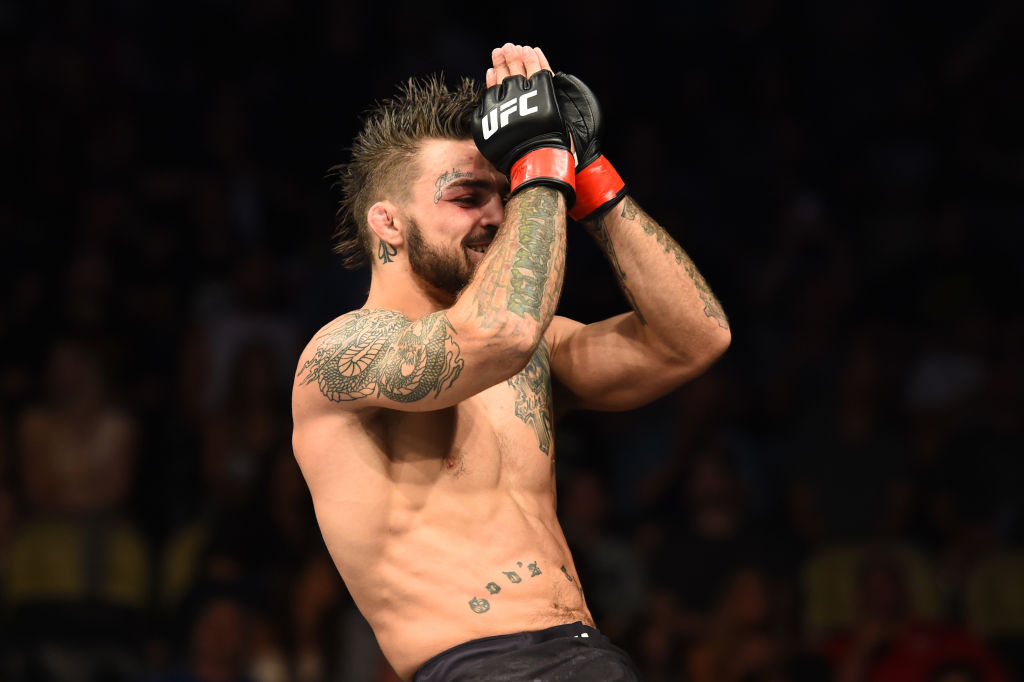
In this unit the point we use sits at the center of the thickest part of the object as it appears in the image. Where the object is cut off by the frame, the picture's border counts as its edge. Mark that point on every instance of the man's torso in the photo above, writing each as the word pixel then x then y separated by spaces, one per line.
pixel 443 523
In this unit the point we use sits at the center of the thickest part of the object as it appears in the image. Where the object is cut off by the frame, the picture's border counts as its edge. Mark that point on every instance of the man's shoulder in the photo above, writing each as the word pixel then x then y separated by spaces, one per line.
pixel 350 326
pixel 362 318
pixel 341 356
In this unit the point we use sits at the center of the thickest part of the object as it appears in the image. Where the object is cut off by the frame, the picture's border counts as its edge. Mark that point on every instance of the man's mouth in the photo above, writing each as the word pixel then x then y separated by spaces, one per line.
pixel 479 248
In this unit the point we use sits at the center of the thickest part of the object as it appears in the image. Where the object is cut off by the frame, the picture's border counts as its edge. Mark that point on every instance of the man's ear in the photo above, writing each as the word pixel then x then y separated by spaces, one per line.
pixel 383 220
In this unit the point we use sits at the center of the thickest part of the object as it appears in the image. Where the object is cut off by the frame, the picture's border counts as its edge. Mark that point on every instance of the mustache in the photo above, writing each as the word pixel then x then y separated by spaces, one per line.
pixel 483 236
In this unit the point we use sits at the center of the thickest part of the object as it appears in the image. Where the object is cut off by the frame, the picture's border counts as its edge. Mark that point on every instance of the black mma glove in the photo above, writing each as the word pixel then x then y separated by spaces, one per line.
pixel 517 127
pixel 598 186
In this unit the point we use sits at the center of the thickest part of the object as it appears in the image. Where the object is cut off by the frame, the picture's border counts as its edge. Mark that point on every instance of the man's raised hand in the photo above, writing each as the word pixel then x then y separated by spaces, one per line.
pixel 515 60
pixel 598 185
pixel 518 127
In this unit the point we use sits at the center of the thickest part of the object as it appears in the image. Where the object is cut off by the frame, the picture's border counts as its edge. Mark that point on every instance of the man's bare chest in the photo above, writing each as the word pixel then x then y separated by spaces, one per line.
pixel 504 430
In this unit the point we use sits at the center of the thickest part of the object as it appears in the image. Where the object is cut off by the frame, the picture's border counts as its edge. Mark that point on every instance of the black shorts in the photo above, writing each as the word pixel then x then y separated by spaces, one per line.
pixel 564 653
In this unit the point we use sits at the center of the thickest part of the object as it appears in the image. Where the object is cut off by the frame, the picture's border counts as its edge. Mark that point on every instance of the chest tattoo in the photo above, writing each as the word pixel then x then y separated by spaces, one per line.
pixel 533 396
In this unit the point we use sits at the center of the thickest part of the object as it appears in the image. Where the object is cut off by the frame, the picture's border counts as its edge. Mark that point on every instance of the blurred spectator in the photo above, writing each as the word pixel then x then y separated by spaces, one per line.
pixel 244 462
pixel 77 449
pixel 994 605
pixel 749 637
pixel 8 509
pixel 219 640
pixel 231 320
pixel 957 672
pixel 243 433
pixel 830 582
pixel 850 455
pixel 606 563
pixel 889 642
pixel 705 539
pixel 78 573
pixel 314 605
pixel 255 527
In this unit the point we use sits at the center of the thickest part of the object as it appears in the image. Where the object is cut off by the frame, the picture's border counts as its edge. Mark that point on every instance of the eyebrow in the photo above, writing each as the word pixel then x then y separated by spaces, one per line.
pixel 469 182
pixel 503 187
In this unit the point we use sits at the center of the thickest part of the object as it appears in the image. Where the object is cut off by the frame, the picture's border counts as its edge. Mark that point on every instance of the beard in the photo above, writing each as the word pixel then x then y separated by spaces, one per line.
pixel 448 271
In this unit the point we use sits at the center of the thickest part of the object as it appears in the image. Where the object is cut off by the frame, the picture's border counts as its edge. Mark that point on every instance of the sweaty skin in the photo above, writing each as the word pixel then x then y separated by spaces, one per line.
pixel 423 421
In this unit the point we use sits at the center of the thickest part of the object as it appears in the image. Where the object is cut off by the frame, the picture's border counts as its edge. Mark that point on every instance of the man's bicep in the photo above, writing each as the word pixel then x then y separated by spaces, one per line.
pixel 610 365
pixel 379 358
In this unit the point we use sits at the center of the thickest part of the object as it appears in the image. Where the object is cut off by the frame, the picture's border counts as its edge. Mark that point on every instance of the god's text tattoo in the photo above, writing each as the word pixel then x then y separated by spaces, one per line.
pixel 481 605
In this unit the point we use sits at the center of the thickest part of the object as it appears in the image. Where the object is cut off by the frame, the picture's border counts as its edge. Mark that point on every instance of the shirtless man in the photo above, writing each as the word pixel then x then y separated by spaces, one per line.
pixel 423 420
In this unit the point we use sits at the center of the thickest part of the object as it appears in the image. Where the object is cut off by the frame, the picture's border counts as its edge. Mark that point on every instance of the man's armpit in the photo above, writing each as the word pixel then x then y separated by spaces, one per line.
pixel 379 353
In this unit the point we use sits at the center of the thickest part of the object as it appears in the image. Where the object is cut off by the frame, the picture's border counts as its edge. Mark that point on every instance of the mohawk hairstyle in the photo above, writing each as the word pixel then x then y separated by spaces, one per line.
pixel 383 154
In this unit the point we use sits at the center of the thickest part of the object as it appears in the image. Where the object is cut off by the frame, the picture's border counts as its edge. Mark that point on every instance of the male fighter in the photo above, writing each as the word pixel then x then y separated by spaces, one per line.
pixel 423 420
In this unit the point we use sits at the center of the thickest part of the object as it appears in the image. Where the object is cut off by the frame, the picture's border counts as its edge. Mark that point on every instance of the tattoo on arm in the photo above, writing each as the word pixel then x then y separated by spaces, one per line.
pixel 446 177
pixel 386 252
pixel 712 308
pixel 379 353
pixel 529 276
pixel 533 396
pixel 531 242
pixel 599 231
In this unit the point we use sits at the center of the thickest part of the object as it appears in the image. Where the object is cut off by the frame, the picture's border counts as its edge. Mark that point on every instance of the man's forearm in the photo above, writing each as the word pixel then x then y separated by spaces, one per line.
pixel 658 278
pixel 520 278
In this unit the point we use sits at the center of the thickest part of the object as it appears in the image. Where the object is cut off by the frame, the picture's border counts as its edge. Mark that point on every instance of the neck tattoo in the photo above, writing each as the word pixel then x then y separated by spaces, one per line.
pixel 386 252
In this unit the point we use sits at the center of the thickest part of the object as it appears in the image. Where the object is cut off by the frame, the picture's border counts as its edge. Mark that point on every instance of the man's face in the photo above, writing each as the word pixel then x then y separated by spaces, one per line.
pixel 455 208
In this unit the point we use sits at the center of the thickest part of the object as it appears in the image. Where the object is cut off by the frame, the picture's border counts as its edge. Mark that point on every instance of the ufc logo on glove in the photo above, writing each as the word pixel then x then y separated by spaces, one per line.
pixel 498 117
pixel 533 147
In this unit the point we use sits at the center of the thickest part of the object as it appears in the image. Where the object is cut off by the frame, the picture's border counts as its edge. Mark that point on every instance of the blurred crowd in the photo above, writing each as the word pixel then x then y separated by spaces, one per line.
pixel 839 498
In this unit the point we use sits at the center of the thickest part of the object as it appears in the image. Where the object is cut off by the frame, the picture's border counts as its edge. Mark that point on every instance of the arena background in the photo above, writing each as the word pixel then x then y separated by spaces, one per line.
pixel 839 498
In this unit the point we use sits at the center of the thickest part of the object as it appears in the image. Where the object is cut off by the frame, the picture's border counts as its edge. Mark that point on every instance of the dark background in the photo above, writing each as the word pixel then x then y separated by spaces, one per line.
pixel 837 498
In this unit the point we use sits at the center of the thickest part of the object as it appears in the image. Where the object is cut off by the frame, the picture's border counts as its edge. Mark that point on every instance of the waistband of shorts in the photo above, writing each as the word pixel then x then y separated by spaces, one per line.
pixel 442 666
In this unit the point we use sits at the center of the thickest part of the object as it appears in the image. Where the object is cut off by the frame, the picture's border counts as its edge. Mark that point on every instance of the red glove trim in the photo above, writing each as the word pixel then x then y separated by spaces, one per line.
pixel 596 185
pixel 546 162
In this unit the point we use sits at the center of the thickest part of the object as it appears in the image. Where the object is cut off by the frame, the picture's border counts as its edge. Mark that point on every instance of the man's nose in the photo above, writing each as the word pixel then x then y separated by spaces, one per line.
pixel 494 211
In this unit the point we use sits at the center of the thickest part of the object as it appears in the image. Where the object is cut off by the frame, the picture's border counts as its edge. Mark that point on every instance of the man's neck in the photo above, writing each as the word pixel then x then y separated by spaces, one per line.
pixel 408 295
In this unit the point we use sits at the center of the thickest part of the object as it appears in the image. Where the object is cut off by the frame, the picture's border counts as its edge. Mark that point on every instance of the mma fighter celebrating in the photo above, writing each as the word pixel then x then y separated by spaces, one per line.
pixel 423 420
